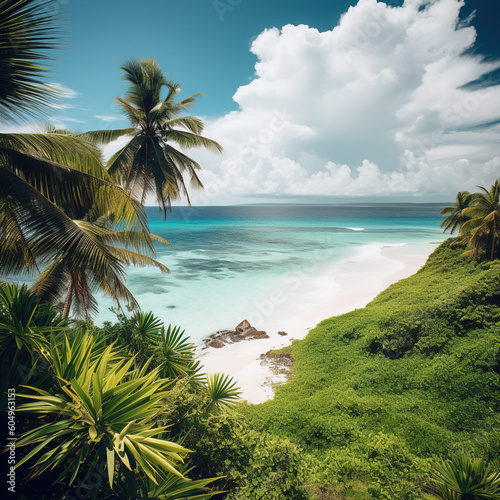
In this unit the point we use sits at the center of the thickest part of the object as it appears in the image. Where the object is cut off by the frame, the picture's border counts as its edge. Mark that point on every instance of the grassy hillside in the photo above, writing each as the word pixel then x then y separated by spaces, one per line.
pixel 378 394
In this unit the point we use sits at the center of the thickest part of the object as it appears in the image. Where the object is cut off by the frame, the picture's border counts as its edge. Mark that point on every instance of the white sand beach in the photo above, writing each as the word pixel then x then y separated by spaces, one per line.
pixel 347 285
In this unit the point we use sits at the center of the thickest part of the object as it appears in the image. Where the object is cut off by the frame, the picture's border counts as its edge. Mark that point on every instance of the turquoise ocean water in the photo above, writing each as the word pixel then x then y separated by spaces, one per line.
pixel 266 263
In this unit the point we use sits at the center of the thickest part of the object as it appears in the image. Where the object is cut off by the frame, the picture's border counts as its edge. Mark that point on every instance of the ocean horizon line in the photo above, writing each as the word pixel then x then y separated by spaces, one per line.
pixel 353 204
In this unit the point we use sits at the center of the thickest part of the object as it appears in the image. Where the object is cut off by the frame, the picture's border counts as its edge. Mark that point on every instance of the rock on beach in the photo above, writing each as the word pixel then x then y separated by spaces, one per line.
pixel 244 331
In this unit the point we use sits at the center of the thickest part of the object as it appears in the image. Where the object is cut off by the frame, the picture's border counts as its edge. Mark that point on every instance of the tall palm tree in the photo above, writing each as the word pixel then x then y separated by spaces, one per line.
pixel 456 215
pixel 64 219
pixel 482 231
pixel 149 163
pixel 51 183
pixel 28 29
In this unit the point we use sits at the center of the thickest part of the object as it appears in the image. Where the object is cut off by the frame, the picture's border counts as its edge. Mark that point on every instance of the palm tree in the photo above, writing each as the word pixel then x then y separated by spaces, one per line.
pixel 28 28
pixel 52 185
pixel 456 216
pixel 148 163
pixel 482 231
pixel 64 218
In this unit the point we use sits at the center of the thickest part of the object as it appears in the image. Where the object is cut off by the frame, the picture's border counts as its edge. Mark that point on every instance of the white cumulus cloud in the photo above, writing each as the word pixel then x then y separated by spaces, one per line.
pixel 377 106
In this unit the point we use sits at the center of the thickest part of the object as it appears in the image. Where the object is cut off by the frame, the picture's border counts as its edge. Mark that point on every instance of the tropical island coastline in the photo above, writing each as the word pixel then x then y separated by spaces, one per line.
pixel 359 280
pixel 393 394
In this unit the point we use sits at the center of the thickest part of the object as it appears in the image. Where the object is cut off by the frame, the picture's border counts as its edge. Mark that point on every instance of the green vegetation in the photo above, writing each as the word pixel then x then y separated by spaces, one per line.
pixel 465 477
pixel 95 419
pixel 378 394
pixel 148 163
pixel 477 217
pixel 123 412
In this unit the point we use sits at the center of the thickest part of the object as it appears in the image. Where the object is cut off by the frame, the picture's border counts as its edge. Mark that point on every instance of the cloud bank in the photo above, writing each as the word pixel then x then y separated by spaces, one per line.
pixel 381 105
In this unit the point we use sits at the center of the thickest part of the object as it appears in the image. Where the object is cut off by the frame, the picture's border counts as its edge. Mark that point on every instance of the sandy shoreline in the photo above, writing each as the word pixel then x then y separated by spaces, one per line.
pixel 347 285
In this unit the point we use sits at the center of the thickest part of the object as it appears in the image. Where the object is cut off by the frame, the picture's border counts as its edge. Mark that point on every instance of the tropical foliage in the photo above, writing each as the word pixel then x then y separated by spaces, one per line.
pixel 482 231
pixel 477 217
pixel 377 394
pixel 28 29
pixel 149 164
pixel 464 477
pixel 92 407
pixel 105 412
pixel 92 403
pixel 455 216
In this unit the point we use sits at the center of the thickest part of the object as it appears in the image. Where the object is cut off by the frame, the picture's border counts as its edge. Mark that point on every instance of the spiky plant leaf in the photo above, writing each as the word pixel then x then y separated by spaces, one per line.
pixel 177 354
pixel 105 408
pixel 222 390
pixel 464 477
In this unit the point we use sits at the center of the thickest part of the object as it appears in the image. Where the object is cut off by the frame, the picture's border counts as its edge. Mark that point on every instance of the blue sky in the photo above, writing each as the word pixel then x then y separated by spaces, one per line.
pixel 202 44
pixel 316 100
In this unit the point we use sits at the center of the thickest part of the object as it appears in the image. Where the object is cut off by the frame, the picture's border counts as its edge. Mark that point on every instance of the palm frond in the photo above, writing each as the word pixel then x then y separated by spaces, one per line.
pixel 28 30
pixel 118 165
pixel 189 140
pixel 130 257
pixel 191 123
pixel 222 390
pixel 104 136
pixel 139 240
pixel 63 149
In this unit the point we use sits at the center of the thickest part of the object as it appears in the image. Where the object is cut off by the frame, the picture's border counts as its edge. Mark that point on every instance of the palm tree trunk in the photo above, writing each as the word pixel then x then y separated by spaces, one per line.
pixel 69 299
pixel 493 247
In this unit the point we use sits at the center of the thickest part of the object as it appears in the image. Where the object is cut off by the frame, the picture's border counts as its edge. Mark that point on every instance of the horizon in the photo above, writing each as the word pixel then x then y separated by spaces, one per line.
pixel 307 204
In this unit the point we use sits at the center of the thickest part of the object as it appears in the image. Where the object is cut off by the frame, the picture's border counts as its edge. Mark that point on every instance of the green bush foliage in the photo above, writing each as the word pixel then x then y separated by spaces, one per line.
pixel 254 464
pixel 379 393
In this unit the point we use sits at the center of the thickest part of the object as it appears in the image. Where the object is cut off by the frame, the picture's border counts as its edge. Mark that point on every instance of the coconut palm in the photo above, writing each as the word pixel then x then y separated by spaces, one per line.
pixel 456 216
pixel 149 164
pixel 28 29
pixel 102 268
pixel 50 183
pixel 482 231
pixel 63 217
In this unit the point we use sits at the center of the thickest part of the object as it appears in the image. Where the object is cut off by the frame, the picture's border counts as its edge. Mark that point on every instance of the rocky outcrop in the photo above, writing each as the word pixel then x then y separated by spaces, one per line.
pixel 244 331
